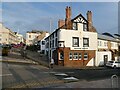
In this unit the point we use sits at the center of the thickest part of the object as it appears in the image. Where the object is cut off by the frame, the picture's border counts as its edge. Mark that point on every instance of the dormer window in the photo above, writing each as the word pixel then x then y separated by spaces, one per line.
pixel 84 27
pixel 74 26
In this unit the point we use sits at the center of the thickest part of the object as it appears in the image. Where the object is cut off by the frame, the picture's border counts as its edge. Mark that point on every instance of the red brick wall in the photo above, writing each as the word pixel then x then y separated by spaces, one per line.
pixel 76 63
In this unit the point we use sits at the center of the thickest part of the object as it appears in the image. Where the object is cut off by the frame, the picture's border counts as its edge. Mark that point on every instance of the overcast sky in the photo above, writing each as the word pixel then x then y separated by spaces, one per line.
pixel 27 16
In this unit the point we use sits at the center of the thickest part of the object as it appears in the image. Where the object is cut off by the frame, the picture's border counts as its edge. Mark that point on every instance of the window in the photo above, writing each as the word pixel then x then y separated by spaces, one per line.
pixel 52 43
pixel 75 41
pixel 100 43
pixel 70 56
pixel 56 42
pixel 61 55
pixel 85 56
pixel 53 35
pixel 56 34
pixel 84 27
pixel 105 43
pixel 29 36
pixel 75 56
pixel 43 42
pixel 80 56
pixel 75 26
pixel 85 42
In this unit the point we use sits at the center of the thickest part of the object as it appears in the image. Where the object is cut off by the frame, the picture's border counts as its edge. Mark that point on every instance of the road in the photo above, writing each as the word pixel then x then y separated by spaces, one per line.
pixel 20 73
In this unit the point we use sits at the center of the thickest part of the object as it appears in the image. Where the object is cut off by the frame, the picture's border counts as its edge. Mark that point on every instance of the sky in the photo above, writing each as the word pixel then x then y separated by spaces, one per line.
pixel 26 16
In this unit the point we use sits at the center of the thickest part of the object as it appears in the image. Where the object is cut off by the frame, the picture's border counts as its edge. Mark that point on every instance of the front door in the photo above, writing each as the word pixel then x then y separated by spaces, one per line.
pixel 105 59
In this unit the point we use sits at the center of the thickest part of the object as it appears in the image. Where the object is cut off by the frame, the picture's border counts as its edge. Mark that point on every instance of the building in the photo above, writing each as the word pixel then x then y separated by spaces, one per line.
pixel 20 38
pixel 74 43
pixel 41 41
pixel 30 36
pixel 7 36
pixel 107 49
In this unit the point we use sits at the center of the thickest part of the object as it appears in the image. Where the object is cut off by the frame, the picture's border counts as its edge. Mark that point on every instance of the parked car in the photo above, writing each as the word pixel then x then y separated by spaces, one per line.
pixel 5 50
pixel 113 64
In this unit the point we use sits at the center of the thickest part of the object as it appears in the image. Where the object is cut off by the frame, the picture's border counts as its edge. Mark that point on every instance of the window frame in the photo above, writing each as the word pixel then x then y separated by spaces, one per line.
pixel 75 26
pixel 84 44
pixel 80 54
pixel 70 55
pixel 85 27
pixel 74 55
pixel 73 42
pixel 85 56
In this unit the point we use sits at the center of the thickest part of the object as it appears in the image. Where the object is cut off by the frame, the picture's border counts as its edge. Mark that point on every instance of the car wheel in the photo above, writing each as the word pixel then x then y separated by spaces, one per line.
pixel 114 66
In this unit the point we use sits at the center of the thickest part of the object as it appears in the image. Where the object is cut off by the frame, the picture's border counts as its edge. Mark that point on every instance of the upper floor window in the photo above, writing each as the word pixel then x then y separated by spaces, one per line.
pixel 75 26
pixel 43 42
pixel 84 27
pixel 85 42
pixel 56 34
pixel 52 43
pixel 105 44
pixel 29 36
pixel 56 42
pixel 75 41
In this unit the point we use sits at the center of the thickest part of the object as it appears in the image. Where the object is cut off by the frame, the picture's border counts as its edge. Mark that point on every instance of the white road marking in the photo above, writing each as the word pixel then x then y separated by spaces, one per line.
pixel 61 74
pixel 70 78
pixel 5 75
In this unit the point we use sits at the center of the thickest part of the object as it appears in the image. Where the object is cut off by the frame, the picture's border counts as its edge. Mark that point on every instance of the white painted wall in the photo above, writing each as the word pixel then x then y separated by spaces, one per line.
pixel 66 35
pixel 114 45
pixel 100 57
pixel 91 62
pixel 101 44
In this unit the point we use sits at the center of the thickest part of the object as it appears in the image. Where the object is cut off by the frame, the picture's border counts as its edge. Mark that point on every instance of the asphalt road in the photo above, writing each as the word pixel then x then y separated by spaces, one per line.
pixel 22 75
pixel 17 75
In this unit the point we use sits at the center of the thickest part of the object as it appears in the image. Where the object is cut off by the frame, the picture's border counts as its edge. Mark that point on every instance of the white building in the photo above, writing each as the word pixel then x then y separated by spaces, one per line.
pixel 74 43
pixel 41 41
pixel 30 36
pixel 7 36
pixel 20 38
pixel 107 49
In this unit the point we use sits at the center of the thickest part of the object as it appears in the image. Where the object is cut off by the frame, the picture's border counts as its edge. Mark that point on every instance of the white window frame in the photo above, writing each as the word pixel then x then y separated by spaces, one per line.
pixel 60 56
pixel 85 55
pixel 73 41
pixel 70 55
pixel 75 56
pixel 80 56
pixel 84 44
pixel 84 27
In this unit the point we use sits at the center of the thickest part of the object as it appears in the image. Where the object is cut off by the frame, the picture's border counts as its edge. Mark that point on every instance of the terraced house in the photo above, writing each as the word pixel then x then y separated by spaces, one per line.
pixel 107 49
pixel 74 43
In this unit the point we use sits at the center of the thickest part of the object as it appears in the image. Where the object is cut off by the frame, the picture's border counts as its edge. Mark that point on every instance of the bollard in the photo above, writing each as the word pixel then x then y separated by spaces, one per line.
pixel 114 81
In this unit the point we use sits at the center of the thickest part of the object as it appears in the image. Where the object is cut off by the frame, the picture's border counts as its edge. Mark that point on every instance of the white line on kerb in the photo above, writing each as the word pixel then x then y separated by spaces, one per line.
pixel 6 75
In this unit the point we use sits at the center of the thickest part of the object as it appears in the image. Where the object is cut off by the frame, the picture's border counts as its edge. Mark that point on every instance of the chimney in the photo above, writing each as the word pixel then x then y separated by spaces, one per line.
pixel 89 18
pixel 68 18
pixel 61 23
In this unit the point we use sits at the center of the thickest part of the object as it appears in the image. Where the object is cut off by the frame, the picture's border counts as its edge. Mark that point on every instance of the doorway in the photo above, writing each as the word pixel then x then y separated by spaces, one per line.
pixel 105 59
